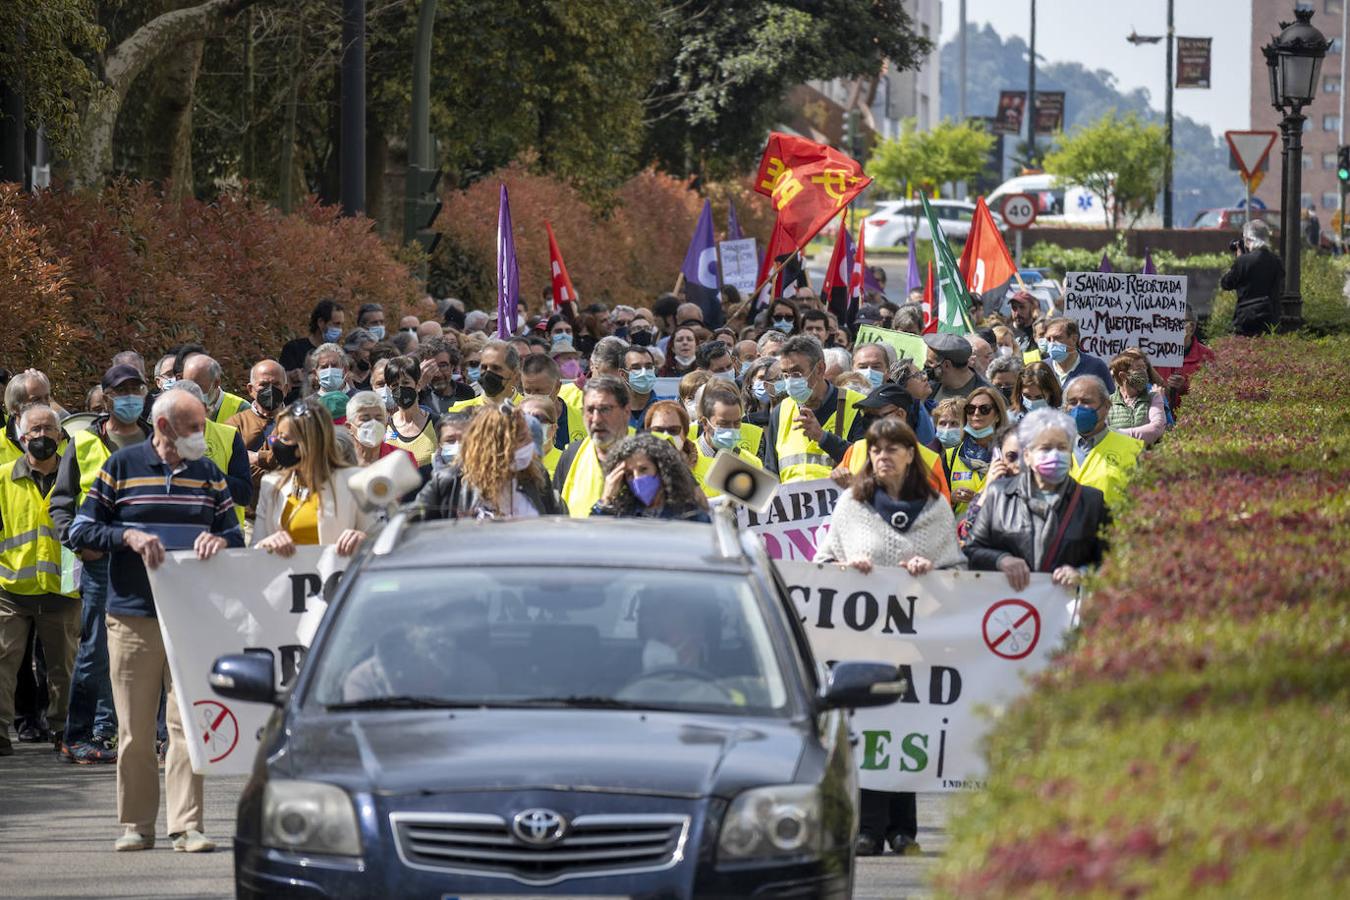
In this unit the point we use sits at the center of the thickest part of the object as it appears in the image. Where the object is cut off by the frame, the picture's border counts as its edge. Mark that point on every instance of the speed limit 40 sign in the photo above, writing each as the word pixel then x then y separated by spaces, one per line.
pixel 1018 210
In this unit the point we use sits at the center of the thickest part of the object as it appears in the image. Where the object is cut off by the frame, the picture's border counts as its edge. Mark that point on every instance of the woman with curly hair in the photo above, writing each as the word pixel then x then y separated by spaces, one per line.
pixel 647 477
pixel 498 476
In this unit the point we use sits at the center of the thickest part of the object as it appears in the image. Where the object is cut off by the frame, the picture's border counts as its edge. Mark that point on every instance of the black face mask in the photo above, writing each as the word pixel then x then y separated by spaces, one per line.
pixel 933 373
pixel 641 338
pixel 269 397
pixel 1006 391
pixel 491 383
pixel 42 448
pixel 286 455
pixel 405 397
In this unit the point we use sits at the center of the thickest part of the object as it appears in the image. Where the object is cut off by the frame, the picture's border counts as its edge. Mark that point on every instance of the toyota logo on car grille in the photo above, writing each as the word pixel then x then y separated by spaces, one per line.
pixel 539 827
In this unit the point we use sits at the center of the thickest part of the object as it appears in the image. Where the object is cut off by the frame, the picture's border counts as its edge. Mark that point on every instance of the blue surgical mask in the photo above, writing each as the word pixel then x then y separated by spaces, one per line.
pixel 725 438
pixel 780 386
pixel 979 433
pixel 128 409
pixel 874 377
pixel 560 336
pixel 949 437
pixel 1085 417
pixel 1057 351
pixel 783 325
pixel 387 398
pixel 475 372
pixel 1043 345
pixel 798 389
pixel 761 391
pixel 331 378
pixel 745 367
pixel 645 488
pixel 377 332
pixel 642 380
pixel 331 335
pixel 1033 405
pixel 728 375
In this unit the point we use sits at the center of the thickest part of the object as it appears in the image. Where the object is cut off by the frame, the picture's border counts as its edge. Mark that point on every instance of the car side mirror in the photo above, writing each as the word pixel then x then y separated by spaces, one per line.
pixel 854 685
pixel 250 677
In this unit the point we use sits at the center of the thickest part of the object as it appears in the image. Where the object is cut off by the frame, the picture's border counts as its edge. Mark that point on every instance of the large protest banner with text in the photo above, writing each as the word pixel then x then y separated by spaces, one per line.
pixel 242 600
pixel 1115 311
pixel 966 643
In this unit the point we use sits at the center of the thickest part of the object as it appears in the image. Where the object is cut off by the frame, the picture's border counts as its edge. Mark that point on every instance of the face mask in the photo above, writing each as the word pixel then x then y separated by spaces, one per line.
pixel 377 332
pixel 761 391
pixel 621 331
pixel 570 369
pixel 331 378
pixel 783 325
pixel 684 360
pixel 370 434
pixel 677 440
pixel 1032 405
pixel 269 397
pixel 932 373
pixel 1085 417
pixel 642 380
pixel 475 372
pixel 524 456
pixel 641 338
pixel 41 448
pixel 725 438
pixel 1043 345
pixel 949 437
pixel 449 452
pixel 745 367
pixel 727 376
pixel 1005 352
pixel 560 336
pixel 978 433
pixel 492 383
pixel 1006 392
pixel 780 386
pixel 645 488
pixel 128 409
pixel 1056 351
pixel 1137 381
pixel 692 408
pixel 1052 465
pixel 286 455
pixel 409 330
pixel 167 382
pixel 799 389
pixel 874 377
pixel 191 446
pixel 387 396
pixel 331 335
pixel 406 397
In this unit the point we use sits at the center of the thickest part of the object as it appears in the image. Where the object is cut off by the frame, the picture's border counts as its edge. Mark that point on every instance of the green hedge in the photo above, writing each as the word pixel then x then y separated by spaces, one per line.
pixel 1066 259
pixel 1195 739
pixel 1322 284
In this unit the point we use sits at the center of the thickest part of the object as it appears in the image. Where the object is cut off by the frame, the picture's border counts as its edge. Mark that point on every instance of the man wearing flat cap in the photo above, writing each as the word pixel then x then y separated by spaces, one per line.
pixel 948 366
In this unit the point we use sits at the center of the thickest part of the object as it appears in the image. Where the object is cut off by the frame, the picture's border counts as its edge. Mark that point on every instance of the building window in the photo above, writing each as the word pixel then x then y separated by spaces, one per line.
pixel 1331 200
pixel 1331 85
pixel 1329 161
pixel 1335 46
pixel 1333 6
pixel 1305 201
pixel 1307 163
pixel 1331 123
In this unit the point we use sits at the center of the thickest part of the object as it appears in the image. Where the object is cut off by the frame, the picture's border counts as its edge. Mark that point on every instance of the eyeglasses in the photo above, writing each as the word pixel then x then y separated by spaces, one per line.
pixel 979 409
pixel 599 410
pixel 672 430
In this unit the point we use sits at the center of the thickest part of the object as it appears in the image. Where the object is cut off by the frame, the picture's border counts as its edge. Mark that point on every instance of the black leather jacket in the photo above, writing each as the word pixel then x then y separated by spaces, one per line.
pixel 447 496
pixel 1007 523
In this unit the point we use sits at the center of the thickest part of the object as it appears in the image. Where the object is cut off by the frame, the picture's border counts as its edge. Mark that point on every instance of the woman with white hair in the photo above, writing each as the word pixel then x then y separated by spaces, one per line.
pixel 1040 520
pixel 1257 276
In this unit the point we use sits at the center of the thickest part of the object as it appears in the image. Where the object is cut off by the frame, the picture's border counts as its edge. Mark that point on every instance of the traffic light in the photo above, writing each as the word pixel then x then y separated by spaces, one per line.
pixel 853 136
pixel 421 207
pixel 1343 164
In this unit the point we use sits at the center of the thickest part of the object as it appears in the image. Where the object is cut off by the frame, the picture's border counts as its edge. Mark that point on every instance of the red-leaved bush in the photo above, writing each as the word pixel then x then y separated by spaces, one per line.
pixel 83 276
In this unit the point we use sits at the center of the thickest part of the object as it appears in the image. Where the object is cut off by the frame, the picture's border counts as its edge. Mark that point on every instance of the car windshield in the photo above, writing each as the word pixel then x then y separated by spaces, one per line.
pixel 1210 218
pixel 536 637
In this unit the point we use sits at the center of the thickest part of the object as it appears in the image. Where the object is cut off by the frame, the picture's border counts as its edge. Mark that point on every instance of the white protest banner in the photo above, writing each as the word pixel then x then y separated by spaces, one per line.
pixel 740 264
pixel 240 600
pixel 792 525
pixel 966 642
pixel 1116 311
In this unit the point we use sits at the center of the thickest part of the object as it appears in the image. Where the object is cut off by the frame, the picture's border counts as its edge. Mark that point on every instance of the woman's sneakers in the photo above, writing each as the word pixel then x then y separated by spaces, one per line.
pixel 134 840
pixel 192 841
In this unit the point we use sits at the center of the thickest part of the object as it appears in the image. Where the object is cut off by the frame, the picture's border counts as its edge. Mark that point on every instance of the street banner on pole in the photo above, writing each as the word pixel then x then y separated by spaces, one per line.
pixel 1193 59
pixel 700 269
pixel 563 292
pixel 966 644
pixel 739 264
pixel 508 272
pixel 808 183
pixel 1008 118
pixel 1115 311
pixel 1049 112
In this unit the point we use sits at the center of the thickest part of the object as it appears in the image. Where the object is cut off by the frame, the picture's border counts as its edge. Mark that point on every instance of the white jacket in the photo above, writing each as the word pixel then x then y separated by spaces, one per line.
pixel 338 509
pixel 858 532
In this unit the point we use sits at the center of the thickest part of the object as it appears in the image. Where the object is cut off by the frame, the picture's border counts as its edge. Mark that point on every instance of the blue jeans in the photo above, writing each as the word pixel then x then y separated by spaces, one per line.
pixel 91 706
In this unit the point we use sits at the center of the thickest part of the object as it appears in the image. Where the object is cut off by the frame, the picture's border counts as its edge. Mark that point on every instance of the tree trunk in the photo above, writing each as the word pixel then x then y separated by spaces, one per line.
pixel 124 64
pixel 168 140
pixel 377 160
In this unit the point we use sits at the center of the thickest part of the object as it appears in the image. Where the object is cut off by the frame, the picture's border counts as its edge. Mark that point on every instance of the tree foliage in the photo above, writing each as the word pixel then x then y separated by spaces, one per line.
pixel 44 45
pixel 951 152
pixel 1120 159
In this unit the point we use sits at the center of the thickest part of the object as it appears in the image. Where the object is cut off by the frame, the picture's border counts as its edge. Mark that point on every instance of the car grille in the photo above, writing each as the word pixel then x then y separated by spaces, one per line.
pixel 592 845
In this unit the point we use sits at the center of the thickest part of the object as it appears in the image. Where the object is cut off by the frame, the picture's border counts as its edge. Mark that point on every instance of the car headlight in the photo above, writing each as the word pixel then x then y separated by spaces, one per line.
pixel 767 822
pixel 309 817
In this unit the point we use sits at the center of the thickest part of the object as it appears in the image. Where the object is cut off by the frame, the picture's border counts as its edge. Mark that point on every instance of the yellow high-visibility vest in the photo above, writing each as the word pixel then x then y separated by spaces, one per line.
pixel 962 476
pixel 1109 465
pixel 230 404
pixel 585 482
pixel 466 405
pixel 802 459
pixel 30 552
pixel 90 454
pixel 550 460
pixel 704 463
pixel 220 450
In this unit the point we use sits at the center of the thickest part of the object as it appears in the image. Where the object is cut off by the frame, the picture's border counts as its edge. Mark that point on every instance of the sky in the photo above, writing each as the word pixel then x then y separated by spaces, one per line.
pixel 1092 32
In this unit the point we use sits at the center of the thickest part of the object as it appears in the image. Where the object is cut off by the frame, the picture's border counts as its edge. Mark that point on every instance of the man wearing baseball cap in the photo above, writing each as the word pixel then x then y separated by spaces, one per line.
pixel 893 400
pixel 948 366
pixel 91 722
pixel 1025 308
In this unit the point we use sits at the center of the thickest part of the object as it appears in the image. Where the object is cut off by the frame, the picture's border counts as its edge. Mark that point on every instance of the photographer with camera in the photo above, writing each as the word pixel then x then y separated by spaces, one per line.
pixel 1258 276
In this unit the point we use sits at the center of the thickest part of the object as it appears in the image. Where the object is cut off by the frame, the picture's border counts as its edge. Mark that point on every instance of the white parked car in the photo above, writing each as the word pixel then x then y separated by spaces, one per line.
pixel 890 225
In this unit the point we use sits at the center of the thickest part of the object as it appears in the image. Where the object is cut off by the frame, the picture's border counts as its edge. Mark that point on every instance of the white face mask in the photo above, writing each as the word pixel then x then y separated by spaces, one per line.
pixel 524 456
pixel 191 446
pixel 370 434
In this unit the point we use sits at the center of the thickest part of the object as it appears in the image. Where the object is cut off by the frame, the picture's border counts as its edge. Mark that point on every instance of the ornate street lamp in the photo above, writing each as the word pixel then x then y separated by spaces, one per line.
pixel 1294 62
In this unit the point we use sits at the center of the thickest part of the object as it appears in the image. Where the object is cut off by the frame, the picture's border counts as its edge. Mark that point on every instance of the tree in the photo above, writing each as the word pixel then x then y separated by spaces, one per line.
pixel 1119 159
pixel 951 152
pixel 42 43
pixel 727 64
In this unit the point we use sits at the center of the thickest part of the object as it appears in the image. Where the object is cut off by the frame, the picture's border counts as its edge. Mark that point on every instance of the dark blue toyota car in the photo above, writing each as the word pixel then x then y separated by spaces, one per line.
pixel 554 708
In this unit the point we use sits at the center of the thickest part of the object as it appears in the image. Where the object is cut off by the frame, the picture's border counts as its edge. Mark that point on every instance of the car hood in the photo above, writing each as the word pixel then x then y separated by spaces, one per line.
pixel 671 754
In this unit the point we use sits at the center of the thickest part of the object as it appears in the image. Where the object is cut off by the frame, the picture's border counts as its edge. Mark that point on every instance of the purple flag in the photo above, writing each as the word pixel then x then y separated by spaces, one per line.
pixel 733 225
pixel 1149 268
pixel 700 269
pixel 508 272
pixel 913 280
pixel 1106 264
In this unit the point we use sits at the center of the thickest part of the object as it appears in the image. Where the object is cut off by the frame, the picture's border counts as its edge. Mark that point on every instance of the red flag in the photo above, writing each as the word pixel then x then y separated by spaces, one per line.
pixel 779 245
pixel 930 321
pixel 985 262
pixel 563 292
pixel 809 183
pixel 839 274
pixel 855 278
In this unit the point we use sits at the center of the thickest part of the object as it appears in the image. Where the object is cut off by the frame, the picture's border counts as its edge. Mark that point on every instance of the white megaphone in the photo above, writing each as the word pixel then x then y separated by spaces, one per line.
pixel 741 482
pixel 382 484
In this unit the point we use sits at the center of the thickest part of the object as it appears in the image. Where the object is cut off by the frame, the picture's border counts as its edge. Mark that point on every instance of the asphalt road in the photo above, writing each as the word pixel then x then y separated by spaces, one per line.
pixel 58 823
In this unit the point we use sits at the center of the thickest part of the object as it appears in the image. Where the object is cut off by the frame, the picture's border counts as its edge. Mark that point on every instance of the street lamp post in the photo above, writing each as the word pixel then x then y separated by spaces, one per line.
pixel 1294 62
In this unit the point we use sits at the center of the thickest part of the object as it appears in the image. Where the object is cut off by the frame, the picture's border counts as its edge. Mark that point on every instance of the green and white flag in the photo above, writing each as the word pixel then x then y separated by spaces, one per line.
pixel 953 301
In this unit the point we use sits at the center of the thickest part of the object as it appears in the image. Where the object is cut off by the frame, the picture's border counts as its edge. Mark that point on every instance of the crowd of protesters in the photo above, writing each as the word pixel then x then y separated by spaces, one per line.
pixel 1003 449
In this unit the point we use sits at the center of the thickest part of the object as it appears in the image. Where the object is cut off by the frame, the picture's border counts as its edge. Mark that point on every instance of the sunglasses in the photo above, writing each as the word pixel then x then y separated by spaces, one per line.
pixel 980 409
pixel 672 430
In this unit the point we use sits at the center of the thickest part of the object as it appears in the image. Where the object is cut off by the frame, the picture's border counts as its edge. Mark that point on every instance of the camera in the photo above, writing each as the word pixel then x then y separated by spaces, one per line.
pixel 1237 246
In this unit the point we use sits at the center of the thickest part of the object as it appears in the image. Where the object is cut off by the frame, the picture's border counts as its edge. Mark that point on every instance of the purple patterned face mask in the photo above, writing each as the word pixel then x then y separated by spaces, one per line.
pixel 645 488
